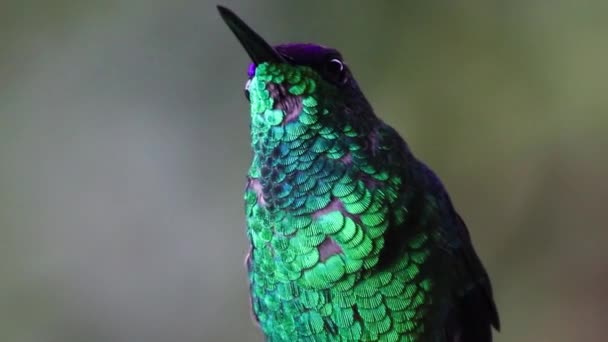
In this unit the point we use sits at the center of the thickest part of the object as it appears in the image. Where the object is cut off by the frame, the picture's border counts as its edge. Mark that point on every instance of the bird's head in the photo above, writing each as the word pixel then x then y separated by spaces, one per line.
pixel 305 83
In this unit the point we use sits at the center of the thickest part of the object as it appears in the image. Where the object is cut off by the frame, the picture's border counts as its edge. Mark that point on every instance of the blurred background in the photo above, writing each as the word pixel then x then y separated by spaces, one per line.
pixel 124 147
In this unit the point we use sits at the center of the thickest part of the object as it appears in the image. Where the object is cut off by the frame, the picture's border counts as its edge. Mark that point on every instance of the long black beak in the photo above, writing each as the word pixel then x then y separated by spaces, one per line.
pixel 257 48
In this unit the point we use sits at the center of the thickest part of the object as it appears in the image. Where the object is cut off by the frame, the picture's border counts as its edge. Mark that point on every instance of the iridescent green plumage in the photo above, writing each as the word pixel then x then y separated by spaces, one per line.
pixel 352 238
pixel 311 194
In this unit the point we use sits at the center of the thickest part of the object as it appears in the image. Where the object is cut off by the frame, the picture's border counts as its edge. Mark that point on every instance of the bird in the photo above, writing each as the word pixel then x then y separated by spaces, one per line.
pixel 351 237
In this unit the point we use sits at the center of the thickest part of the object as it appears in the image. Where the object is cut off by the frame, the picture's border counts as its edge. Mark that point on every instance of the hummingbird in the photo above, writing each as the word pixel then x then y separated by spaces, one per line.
pixel 352 238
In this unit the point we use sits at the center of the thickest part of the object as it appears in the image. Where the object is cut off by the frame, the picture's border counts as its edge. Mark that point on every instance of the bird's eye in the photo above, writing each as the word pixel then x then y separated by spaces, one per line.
pixel 335 71
pixel 335 65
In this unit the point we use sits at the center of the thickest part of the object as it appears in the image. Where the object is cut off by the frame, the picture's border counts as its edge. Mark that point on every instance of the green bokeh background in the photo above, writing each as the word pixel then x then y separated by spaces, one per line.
pixel 124 145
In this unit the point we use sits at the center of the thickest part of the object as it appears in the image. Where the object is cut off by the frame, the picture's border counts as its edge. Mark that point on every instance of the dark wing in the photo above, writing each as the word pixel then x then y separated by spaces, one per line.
pixel 473 313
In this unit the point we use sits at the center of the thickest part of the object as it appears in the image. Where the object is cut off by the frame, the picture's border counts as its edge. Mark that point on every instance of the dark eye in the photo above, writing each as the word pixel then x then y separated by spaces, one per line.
pixel 335 71
pixel 335 66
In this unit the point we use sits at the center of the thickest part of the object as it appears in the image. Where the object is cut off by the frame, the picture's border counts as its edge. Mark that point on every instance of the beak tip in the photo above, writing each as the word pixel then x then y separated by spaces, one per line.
pixel 223 10
pixel 225 13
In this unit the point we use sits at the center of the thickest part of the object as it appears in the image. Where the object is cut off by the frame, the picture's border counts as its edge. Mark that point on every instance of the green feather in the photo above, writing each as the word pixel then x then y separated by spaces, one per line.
pixel 302 287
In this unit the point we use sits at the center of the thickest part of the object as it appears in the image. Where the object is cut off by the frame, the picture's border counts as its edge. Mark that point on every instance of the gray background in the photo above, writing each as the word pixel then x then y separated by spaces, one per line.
pixel 124 145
